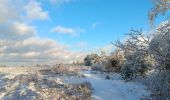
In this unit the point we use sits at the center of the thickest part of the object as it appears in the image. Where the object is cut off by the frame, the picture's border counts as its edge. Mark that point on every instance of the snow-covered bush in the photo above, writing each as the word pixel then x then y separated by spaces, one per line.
pixel 91 59
pixel 136 65
pixel 159 84
pixel 103 62
pixel 116 61
pixel 87 60
pixel 113 65
pixel 102 65
pixel 97 62
pixel 97 67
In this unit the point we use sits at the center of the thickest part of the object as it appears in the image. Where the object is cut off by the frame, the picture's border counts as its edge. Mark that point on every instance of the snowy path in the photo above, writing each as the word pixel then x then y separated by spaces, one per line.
pixel 115 89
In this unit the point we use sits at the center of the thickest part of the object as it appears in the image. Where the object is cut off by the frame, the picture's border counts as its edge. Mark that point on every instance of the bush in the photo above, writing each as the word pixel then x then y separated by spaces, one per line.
pixel 136 65
pixel 87 60
pixel 116 63
pixel 113 62
pixel 91 59
pixel 127 72
pixel 103 65
pixel 96 67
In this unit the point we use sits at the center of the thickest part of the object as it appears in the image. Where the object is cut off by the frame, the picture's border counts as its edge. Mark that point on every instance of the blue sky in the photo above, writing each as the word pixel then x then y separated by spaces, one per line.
pixel 66 30
pixel 113 18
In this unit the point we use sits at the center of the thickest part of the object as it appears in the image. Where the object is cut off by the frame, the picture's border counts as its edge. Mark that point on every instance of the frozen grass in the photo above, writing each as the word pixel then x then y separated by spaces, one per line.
pixel 27 83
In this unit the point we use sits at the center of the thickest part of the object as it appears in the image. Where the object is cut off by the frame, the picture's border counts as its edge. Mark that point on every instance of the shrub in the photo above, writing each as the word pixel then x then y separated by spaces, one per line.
pixel 87 60
pixel 127 72
pixel 116 60
pixel 102 65
pixel 96 67
pixel 91 59
pixel 136 65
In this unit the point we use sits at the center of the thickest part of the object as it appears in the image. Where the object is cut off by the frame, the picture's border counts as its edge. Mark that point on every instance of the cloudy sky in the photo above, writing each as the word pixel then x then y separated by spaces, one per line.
pixel 43 31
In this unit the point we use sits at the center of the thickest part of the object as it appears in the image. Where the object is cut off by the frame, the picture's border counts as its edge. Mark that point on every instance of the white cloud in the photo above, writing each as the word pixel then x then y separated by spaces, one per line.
pixel 38 50
pixel 67 31
pixel 19 41
pixel 63 30
pixel 34 11
pixel 60 1
pixel 23 29
pixel 16 31
pixel 8 10
pixel 31 54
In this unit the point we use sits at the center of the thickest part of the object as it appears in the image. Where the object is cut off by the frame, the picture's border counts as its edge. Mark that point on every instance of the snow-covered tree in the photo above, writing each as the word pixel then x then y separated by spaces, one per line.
pixel 160 49
pixel 160 7
pixel 136 41
pixel 136 54
pixel 160 45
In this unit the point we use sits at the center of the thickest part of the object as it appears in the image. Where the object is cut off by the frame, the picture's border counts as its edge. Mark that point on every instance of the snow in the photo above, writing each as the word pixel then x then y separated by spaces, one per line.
pixel 114 89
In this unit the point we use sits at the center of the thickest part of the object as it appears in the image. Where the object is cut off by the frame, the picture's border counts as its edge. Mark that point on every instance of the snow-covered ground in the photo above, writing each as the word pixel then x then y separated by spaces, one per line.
pixel 114 89
pixel 111 89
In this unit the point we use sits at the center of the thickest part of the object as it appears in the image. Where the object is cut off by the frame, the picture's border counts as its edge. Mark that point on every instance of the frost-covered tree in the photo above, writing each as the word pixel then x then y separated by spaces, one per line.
pixel 136 41
pixel 136 54
pixel 160 49
pixel 160 45
pixel 160 8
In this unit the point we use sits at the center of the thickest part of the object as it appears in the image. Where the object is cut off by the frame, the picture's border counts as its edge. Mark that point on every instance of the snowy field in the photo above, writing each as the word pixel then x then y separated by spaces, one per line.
pixel 102 89
pixel 114 89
